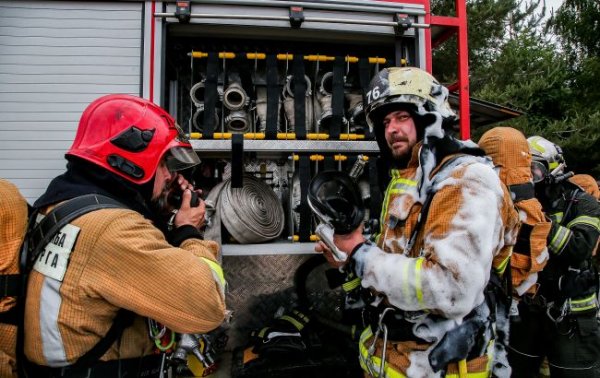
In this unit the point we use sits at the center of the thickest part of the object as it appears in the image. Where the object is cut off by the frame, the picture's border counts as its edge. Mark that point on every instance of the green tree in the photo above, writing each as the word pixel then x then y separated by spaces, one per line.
pixel 547 70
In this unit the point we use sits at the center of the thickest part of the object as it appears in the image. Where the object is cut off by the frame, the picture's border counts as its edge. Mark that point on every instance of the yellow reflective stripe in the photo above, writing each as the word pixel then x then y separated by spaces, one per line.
pixel 584 219
pixel 404 181
pixel 374 361
pixel 584 304
pixel 557 217
pixel 217 270
pixel 261 334
pixel 553 165
pixel 351 285
pixel 502 266
pixel 482 374
pixel 559 240
pixel 533 142
pixel 463 371
pixel 418 267
pixel 294 322
pixel 301 316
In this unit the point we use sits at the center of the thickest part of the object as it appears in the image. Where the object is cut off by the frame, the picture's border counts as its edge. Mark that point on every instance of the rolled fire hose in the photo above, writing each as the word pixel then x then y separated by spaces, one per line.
pixel 288 104
pixel 197 93
pixel 198 118
pixel 358 121
pixel 235 97
pixel 237 121
pixel 261 109
pixel 251 214
pixel 324 98
pixel 295 199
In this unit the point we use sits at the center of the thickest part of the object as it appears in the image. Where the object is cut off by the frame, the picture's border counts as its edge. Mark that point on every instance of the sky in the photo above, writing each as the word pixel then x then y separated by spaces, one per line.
pixel 550 4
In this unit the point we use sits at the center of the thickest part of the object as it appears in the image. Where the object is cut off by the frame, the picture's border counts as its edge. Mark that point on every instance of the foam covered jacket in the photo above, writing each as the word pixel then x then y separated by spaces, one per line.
pixel 13 222
pixel 471 225
pixel 120 260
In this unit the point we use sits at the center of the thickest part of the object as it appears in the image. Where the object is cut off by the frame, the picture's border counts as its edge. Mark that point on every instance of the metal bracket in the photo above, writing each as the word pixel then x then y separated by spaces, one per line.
pixel 296 16
pixel 183 11
pixel 403 23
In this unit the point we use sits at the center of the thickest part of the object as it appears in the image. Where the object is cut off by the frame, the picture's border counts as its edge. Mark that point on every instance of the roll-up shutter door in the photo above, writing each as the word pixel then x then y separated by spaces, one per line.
pixel 55 58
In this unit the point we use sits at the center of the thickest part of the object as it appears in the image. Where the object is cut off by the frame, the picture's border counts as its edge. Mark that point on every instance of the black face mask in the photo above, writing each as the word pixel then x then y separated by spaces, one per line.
pixel 539 172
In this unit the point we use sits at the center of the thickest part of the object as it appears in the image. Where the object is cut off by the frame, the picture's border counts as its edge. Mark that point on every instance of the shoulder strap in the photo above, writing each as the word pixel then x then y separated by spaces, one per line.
pixel 425 208
pixel 38 236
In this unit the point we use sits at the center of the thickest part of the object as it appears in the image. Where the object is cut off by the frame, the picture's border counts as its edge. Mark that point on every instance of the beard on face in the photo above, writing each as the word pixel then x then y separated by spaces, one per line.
pixel 160 205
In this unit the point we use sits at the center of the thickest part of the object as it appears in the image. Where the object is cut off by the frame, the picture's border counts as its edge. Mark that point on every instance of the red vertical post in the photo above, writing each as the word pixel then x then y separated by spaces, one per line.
pixel 463 70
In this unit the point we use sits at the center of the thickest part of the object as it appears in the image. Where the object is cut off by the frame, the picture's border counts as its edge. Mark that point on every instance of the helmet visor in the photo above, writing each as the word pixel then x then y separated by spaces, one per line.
pixel 538 171
pixel 179 158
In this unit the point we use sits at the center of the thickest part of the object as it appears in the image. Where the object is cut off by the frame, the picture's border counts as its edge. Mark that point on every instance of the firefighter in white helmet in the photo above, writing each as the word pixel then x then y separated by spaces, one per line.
pixel 446 221
pixel 561 325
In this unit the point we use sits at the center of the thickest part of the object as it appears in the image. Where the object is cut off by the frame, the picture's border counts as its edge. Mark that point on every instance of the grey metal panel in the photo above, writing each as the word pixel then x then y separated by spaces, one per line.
pixel 25 135
pixel 7 156
pixel 250 10
pixel 30 164
pixel 14 174
pixel 69 50
pixel 63 88
pixel 36 116
pixel 289 146
pixel 70 60
pixel 55 58
pixel 39 144
pixel 37 125
pixel 9 40
pixel 47 78
pixel 19 107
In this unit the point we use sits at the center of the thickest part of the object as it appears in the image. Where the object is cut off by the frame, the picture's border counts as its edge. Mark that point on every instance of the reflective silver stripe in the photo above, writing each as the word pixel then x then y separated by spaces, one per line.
pixel 559 240
pixel 584 219
pixel 52 344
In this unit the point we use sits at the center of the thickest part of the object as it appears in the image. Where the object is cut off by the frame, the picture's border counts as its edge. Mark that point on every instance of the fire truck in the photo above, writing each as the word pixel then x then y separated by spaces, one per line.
pixel 270 92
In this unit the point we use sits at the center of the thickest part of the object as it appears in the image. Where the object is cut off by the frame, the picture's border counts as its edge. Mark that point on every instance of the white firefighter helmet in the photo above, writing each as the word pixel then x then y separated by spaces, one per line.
pixel 547 158
pixel 394 86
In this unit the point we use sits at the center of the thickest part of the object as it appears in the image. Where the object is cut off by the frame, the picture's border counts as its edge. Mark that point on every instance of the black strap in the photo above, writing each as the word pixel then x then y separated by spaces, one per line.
pixel 337 97
pixel 272 97
pixel 237 160
pixel 210 94
pixel 521 192
pixel 9 285
pixel 376 200
pixel 299 96
pixel 123 319
pixel 305 213
pixel 37 238
pixel 329 163
pixel 425 209
pixel 62 214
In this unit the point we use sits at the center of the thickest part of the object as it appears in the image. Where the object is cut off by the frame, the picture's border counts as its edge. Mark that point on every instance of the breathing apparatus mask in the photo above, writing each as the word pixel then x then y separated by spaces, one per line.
pixel 547 164
pixel 336 200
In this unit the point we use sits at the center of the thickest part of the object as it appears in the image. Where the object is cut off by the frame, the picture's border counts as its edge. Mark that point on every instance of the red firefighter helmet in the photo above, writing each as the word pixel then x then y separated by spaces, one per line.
pixel 129 136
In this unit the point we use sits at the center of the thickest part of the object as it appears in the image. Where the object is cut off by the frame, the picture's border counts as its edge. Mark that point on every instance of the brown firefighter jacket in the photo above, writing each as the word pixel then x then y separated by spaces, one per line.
pixel 510 153
pixel 118 260
pixel 13 223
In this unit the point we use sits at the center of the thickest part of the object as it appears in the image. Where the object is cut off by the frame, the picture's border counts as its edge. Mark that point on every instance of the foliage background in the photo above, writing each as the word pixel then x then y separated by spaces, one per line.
pixel 544 64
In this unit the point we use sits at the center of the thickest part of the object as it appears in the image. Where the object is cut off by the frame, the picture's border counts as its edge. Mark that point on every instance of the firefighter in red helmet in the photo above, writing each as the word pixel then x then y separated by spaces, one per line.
pixel 122 258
